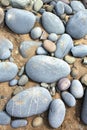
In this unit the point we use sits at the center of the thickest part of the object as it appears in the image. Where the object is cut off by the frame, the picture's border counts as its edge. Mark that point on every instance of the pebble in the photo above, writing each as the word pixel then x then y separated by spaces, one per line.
pixel 52 23
pixel 69 59
pixel 18 21
pixel 74 23
pixel 50 8
pixel 79 50
pixel 38 69
pixel 21 71
pixel 1 16
pixel 18 90
pixel 57 112
pixel 63 84
pixel 37 122
pixel 29 102
pixel 85 3
pixel 37 5
pixel 68 99
pixel 84 61
pixel 13 82
pixel 19 123
pixel 41 51
pixel 5 119
pixel 6 47
pixel 43 36
pixel 74 72
pixel 28 48
pixel 65 1
pixel 46 1
pixel 5 2
pixel 36 33
pixel 23 80
pixel 53 37
pixel 76 89
pixel 45 85
pixel 42 10
pixel 64 45
pixel 49 46
pixel 8 71
pixel 62 8
pixel 77 6
pixel 84 109
pixel 52 91
pixel 84 79
pixel 11 59
pixel 19 3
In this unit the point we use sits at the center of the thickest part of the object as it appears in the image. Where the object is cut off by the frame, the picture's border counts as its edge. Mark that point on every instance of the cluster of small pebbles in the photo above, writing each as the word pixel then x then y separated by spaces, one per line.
pixel 52 63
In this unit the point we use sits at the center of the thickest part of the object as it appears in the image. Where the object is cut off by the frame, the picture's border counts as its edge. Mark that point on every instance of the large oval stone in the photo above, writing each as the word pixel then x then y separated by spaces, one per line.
pixel 8 71
pixel 77 25
pixel 20 21
pixel 29 102
pixel 46 69
pixel 57 112
pixel 52 23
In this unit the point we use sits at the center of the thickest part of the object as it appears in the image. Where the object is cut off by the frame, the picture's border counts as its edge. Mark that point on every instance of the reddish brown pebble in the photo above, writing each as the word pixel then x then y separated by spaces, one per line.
pixel 49 46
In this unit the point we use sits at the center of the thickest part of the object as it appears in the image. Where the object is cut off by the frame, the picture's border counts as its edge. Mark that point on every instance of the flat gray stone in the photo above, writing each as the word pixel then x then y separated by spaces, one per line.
pixel 46 69
pixel 57 112
pixel 20 21
pixel 5 119
pixel 29 102
pixel 52 23
pixel 8 71
pixel 28 47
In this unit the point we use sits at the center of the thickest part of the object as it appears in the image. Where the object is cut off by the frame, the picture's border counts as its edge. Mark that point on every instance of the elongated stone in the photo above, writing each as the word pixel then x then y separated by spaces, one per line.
pixel 29 102
pixel 8 71
pixel 18 123
pixel 46 69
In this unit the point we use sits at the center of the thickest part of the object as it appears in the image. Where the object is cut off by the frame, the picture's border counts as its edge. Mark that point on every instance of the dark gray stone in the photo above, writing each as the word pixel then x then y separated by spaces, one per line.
pixel 52 23
pixel 64 45
pixel 57 112
pixel 19 123
pixel 77 25
pixel 79 51
pixel 29 102
pixel 69 99
pixel 4 118
pixel 27 47
pixel 8 71
pixel 20 21
pixel 46 69
pixel 84 109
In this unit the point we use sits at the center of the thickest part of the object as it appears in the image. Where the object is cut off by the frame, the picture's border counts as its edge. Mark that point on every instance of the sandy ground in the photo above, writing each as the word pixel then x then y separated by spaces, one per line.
pixel 72 119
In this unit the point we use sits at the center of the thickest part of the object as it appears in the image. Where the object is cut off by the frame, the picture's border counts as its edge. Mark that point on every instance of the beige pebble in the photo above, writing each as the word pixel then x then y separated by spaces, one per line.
pixel 5 2
pixel 49 46
pixel 1 15
pixel 17 90
pixel 74 72
pixel 70 59
pixel 38 121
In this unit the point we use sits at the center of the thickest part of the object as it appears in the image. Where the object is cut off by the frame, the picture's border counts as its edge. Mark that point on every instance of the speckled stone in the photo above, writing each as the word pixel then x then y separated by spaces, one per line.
pixel 38 68
pixel 76 89
pixel 37 122
pixel 8 71
pixel 19 3
pixel 28 48
pixel 74 29
pixel 84 109
pixel 57 112
pixel 49 46
pixel 68 99
pixel 79 51
pixel 19 123
pixel 69 59
pixel 5 119
pixel 29 102
pixel 64 45
pixel 52 23
pixel 36 33
pixel 23 80
pixel 63 84
pixel 16 19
